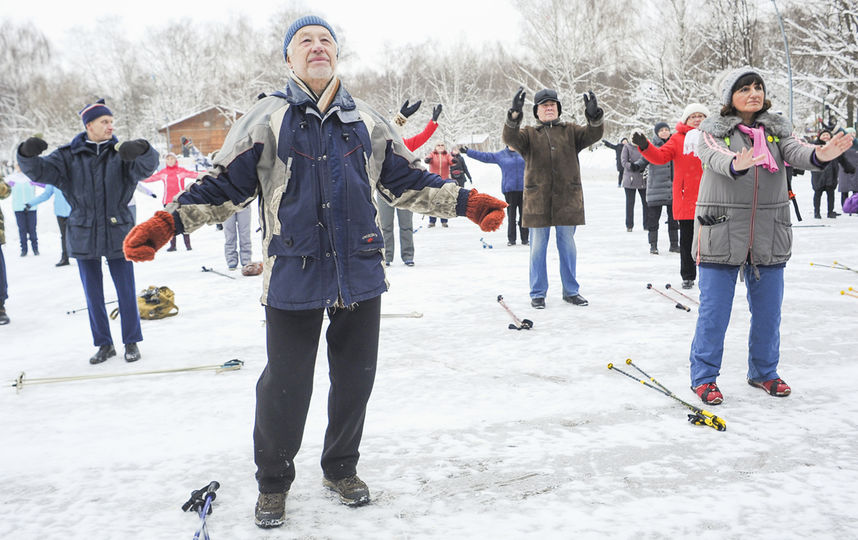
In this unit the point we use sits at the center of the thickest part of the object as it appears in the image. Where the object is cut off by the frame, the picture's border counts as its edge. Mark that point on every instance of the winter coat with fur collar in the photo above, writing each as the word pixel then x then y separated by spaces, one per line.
pixel 751 209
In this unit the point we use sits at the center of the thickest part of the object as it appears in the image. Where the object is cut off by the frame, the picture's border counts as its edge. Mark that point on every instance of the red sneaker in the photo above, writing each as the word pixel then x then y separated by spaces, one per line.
pixel 709 393
pixel 775 387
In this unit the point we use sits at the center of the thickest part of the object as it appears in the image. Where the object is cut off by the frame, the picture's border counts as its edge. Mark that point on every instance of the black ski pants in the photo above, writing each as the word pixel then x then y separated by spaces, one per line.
pixel 687 266
pixel 286 385
pixel 653 218
pixel 513 215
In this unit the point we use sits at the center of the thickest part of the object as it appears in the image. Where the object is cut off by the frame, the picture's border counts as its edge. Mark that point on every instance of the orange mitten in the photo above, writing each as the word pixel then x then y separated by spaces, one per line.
pixel 145 239
pixel 485 210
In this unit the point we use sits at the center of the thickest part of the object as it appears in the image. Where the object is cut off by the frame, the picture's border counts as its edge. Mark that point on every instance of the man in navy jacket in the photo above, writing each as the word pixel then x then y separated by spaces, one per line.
pixel 98 177
pixel 313 156
pixel 512 185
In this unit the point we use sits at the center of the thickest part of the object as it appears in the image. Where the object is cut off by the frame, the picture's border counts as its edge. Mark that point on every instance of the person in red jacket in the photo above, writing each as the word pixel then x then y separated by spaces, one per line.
pixel 173 177
pixel 687 170
pixel 439 163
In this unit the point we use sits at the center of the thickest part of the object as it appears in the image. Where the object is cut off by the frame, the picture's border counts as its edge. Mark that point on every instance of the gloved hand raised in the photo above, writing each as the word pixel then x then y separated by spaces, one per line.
pixel 639 139
pixel 148 237
pixel 131 150
pixel 518 100
pixel 407 110
pixel 436 112
pixel 591 107
pixel 485 210
pixel 463 149
pixel 32 147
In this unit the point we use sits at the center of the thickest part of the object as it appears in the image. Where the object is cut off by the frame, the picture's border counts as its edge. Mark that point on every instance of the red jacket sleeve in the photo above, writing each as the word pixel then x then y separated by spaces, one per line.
pixel 420 139
pixel 659 155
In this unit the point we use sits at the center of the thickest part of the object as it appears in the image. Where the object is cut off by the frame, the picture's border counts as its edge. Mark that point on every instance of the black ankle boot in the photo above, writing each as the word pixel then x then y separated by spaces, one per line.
pixel 103 353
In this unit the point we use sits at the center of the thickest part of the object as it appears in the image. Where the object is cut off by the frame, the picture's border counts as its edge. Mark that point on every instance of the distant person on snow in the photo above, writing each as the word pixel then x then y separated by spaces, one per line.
pixel 404 216
pixel 459 172
pixel 173 179
pixel 98 176
pixel 322 246
pixel 439 163
pixel 5 191
pixel 659 193
pixel 553 195
pixel 62 209
pixel 512 186
pixel 23 190
pixel 618 150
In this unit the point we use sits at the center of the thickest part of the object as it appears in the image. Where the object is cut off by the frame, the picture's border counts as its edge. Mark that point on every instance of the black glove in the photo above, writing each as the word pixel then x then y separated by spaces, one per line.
pixel 407 110
pixel 32 147
pixel 428 159
pixel 131 150
pixel 436 112
pixel 518 100
pixel 153 196
pixel 27 207
pixel 639 139
pixel 219 226
pixel 641 164
pixel 711 220
pixel 634 167
pixel 463 149
pixel 591 107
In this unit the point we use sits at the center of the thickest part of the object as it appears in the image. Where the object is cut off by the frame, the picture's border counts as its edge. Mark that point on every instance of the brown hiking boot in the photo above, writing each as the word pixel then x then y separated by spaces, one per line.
pixel 270 510
pixel 352 490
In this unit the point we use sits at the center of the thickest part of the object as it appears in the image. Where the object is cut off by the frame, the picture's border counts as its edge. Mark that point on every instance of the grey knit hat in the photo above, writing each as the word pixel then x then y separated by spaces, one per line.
pixel 729 79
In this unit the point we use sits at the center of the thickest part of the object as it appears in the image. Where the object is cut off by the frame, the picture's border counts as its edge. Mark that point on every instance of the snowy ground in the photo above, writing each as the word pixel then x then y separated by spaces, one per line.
pixel 474 430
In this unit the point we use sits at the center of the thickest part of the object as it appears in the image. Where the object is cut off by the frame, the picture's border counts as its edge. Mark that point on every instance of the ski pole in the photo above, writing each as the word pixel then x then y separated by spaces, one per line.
pixel 519 324
pixel 677 291
pixel 485 244
pixel 700 416
pixel 216 272
pixel 849 294
pixel 678 305
pixel 843 266
pixel 231 365
pixel 209 497
pixel 86 308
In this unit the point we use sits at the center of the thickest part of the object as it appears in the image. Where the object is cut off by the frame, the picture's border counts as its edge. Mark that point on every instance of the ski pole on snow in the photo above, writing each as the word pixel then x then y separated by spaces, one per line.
pixel 86 308
pixel 680 293
pixel 836 266
pixel 517 324
pixel 849 293
pixel 678 304
pixel 485 244
pixel 212 270
pixel 201 501
pixel 843 266
pixel 700 416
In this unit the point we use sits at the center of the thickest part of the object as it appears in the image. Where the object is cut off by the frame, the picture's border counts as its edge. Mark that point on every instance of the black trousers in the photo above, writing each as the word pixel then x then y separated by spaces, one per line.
pixel 653 218
pixel 286 384
pixel 62 221
pixel 817 199
pixel 687 266
pixel 513 215
pixel 630 206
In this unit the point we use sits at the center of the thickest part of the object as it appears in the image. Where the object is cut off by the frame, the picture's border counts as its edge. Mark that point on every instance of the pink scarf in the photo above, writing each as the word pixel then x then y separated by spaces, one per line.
pixel 758 136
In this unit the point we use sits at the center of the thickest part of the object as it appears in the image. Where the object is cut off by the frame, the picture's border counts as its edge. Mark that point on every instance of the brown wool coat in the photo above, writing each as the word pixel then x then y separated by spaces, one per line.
pixel 553 194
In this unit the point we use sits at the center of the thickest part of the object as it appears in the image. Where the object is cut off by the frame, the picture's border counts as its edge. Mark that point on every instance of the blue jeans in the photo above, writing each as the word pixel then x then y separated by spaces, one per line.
pixel 765 296
pixel 566 249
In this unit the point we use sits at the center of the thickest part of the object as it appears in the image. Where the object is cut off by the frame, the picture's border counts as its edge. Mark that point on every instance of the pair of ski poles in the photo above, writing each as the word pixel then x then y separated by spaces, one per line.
pixel 698 418
pixel 679 305
pixel 201 502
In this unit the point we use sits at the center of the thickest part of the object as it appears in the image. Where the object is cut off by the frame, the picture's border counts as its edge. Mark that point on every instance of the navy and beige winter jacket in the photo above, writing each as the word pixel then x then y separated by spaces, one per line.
pixel 98 185
pixel 314 175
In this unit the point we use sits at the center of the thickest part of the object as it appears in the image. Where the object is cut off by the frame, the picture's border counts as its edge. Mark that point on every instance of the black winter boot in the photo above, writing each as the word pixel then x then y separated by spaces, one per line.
pixel 103 353
pixel 4 319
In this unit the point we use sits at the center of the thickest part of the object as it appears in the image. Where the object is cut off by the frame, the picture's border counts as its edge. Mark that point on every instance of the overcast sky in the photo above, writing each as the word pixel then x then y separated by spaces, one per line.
pixel 367 24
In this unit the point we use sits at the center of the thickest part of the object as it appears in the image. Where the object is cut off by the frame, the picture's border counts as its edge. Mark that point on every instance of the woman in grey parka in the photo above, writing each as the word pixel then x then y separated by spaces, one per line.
pixel 742 227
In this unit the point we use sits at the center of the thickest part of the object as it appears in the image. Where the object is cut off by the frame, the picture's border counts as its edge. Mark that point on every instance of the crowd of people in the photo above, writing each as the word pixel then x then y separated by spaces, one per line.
pixel 720 178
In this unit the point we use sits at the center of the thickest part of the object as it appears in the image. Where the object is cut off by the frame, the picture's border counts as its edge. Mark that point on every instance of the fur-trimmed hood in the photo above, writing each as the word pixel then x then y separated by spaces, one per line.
pixel 721 126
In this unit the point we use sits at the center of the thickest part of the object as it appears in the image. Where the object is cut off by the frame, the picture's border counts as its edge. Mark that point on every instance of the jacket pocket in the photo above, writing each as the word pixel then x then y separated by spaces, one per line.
pixel 781 239
pixel 80 237
pixel 714 240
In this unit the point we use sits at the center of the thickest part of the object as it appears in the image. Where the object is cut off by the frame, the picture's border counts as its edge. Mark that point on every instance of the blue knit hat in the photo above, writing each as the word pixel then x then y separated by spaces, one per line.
pixel 93 111
pixel 308 20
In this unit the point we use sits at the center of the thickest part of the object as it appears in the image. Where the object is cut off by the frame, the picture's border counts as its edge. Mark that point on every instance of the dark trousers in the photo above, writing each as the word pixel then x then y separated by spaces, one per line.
pixel 817 199
pixel 619 177
pixel 514 215
pixel 62 222
pixel 286 384
pixel 3 285
pixel 433 219
pixel 27 227
pixel 630 206
pixel 653 218
pixel 687 266
pixel 122 273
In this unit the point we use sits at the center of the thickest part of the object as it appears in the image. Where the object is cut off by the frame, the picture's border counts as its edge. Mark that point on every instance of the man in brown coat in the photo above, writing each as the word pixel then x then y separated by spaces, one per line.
pixel 553 196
